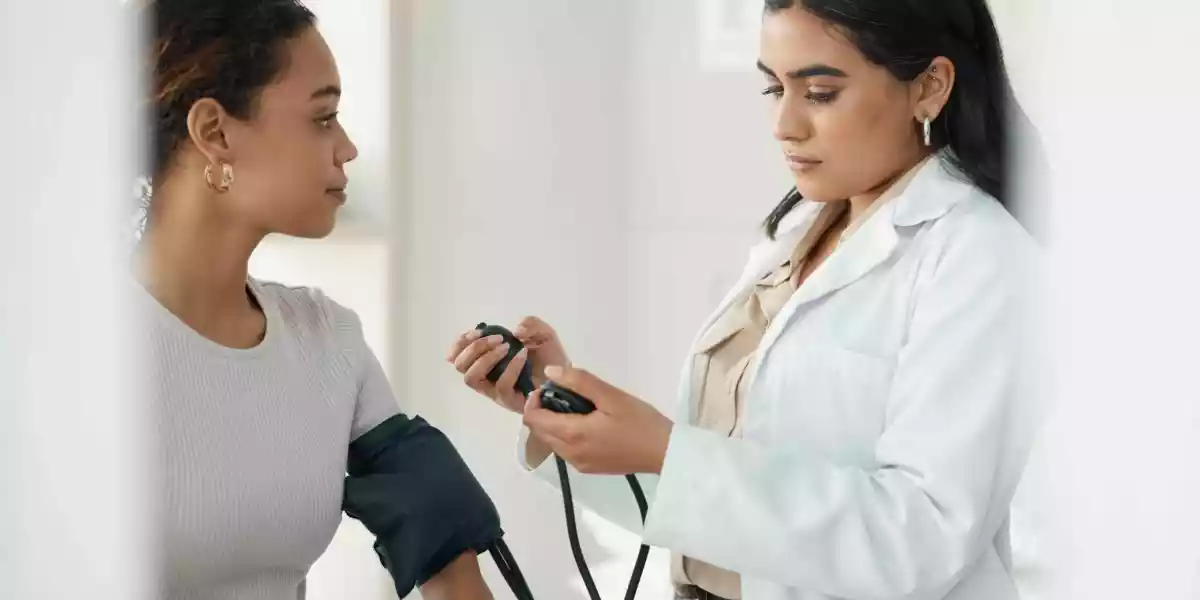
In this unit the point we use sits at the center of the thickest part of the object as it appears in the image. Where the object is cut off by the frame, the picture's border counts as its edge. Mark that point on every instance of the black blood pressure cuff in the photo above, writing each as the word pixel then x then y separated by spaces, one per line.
pixel 409 487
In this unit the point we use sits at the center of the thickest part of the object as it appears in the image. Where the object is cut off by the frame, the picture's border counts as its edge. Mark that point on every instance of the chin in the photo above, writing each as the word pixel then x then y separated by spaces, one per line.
pixel 311 231
pixel 819 193
pixel 321 232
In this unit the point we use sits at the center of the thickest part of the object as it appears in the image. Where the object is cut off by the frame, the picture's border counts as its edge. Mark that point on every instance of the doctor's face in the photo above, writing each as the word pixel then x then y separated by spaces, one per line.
pixel 846 127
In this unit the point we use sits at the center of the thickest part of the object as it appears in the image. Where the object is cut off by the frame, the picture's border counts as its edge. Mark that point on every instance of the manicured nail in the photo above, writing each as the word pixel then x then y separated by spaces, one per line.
pixel 554 371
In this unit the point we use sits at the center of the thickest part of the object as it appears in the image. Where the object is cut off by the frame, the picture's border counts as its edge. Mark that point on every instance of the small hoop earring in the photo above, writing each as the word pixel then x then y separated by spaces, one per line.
pixel 226 178
pixel 928 130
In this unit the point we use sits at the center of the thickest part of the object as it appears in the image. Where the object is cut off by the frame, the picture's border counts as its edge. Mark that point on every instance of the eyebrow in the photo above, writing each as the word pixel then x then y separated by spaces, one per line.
pixel 806 72
pixel 329 90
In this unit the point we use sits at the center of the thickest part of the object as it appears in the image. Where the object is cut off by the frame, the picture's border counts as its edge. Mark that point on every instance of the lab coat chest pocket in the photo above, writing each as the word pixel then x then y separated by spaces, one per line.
pixel 826 398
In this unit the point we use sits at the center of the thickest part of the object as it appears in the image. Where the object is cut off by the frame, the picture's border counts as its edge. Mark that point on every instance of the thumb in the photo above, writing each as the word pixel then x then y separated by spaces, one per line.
pixel 585 384
pixel 532 327
pixel 533 402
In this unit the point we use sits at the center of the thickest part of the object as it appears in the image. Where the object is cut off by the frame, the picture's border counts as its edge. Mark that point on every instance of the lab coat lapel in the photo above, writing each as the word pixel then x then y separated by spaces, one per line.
pixel 868 248
pixel 932 191
pixel 764 257
pixel 854 258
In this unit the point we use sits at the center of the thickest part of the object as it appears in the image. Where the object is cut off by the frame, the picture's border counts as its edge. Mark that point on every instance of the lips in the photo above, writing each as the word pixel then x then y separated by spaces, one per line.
pixel 337 193
pixel 800 163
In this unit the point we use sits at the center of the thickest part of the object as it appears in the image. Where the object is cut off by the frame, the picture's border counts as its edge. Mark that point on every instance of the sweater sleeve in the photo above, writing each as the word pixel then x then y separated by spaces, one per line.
pixel 375 401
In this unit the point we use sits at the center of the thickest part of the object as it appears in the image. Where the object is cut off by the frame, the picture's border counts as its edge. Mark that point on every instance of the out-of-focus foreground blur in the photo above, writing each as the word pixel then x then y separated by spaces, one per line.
pixel 602 164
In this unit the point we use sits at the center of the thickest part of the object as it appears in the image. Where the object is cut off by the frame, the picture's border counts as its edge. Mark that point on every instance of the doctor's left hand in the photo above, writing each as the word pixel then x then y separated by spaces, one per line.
pixel 623 435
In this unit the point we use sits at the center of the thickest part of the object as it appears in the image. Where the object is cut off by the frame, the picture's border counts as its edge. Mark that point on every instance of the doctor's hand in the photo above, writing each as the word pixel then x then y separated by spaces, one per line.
pixel 623 435
pixel 475 358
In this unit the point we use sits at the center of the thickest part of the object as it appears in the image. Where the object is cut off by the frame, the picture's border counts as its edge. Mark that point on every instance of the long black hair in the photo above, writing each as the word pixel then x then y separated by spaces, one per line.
pixel 904 36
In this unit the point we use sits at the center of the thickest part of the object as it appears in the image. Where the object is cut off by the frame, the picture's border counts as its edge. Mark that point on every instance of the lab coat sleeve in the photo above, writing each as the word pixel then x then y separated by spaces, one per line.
pixel 960 421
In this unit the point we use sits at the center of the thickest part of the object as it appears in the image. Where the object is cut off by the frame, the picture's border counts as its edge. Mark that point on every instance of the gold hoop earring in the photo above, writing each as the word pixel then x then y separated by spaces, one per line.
pixel 226 178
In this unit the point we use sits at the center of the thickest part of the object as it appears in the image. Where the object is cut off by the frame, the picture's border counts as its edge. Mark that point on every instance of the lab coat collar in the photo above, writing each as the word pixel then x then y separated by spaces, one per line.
pixel 934 189
pixel 930 193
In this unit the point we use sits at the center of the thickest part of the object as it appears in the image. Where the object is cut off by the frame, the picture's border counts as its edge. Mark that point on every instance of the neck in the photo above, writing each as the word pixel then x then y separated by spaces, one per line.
pixel 861 203
pixel 859 206
pixel 192 261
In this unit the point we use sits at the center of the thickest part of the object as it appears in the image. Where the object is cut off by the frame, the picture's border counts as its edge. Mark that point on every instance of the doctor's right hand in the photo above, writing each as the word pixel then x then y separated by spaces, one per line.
pixel 475 357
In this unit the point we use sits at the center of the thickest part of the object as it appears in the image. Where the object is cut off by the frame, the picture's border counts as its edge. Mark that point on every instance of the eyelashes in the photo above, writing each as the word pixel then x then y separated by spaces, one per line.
pixel 776 91
pixel 821 97
pixel 327 121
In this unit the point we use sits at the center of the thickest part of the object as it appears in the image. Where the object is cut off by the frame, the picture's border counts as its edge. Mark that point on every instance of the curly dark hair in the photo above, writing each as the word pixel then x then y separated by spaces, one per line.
pixel 227 50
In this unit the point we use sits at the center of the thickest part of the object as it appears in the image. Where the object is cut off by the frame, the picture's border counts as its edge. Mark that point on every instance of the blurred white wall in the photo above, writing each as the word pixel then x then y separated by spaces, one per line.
pixel 73 505
pixel 515 203
pixel 1125 444
pixel 703 172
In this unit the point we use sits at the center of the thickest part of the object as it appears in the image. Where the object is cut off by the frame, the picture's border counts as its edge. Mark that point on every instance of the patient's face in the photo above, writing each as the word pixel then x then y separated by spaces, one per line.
pixel 290 156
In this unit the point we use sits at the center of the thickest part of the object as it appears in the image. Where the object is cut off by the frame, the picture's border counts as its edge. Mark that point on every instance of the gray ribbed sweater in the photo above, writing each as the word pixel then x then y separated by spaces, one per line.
pixel 251 444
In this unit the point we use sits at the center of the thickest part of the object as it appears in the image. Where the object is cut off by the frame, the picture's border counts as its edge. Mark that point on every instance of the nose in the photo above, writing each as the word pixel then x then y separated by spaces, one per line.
pixel 792 122
pixel 346 150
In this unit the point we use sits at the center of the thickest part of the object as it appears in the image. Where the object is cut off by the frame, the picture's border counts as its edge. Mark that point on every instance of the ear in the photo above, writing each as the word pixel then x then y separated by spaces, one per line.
pixel 932 89
pixel 207 122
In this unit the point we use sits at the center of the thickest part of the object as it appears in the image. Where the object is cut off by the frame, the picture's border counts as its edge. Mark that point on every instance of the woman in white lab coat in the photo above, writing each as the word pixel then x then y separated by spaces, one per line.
pixel 855 416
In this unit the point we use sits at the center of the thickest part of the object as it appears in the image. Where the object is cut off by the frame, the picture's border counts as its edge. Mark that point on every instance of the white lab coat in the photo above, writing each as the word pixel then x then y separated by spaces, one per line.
pixel 893 404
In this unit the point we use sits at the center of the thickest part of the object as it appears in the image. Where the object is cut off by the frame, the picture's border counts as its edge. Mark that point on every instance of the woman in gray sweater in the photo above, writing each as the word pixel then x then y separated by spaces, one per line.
pixel 258 389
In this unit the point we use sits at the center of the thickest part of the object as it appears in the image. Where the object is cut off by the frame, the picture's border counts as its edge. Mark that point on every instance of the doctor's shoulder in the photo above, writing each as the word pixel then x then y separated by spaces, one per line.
pixel 979 234
pixel 977 268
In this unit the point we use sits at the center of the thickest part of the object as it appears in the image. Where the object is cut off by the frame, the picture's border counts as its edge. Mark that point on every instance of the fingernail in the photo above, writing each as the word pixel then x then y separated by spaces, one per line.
pixel 554 371
pixel 495 339
pixel 472 335
pixel 503 347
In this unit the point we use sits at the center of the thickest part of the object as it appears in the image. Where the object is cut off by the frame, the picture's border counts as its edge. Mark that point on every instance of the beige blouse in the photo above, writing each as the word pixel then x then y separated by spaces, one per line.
pixel 723 356
pixel 726 351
